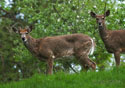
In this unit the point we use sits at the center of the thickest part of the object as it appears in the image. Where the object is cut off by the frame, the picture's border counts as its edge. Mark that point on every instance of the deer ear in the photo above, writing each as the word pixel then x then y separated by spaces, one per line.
pixel 107 13
pixel 93 14
pixel 15 30
pixel 29 29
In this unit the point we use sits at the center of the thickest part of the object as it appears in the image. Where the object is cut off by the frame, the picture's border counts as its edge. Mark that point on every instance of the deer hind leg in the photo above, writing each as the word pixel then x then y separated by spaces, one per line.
pixel 84 65
pixel 50 66
pixel 88 63
pixel 82 54
pixel 117 58
pixel 93 64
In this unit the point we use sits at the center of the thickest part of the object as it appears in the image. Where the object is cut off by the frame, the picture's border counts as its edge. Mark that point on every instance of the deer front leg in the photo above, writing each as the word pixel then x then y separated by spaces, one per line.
pixel 117 58
pixel 50 66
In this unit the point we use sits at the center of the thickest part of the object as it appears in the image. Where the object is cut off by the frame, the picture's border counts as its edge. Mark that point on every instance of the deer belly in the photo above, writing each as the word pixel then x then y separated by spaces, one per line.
pixel 64 53
pixel 110 50
pixel 123 50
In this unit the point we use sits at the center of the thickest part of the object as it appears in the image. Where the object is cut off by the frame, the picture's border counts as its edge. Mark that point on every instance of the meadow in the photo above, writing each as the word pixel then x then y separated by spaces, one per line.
pixel 103 79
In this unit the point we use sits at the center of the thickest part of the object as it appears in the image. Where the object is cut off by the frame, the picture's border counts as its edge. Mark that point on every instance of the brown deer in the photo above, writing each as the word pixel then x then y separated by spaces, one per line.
pixel 50 48
pixel 114 40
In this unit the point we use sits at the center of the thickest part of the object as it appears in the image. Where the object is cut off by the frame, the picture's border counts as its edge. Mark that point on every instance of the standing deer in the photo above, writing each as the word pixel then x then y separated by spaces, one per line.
pixel 114 40
pixel 50 48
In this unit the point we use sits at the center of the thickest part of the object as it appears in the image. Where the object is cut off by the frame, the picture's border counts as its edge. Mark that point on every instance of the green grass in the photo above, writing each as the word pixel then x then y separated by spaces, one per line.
pixel 103 79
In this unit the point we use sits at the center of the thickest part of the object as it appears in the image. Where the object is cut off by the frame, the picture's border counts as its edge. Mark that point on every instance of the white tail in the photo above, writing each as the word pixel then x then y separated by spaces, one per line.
pixel 92 48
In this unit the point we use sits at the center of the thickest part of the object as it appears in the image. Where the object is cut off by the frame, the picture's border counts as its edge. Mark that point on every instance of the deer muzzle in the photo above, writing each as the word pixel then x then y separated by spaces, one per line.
pixel 24 38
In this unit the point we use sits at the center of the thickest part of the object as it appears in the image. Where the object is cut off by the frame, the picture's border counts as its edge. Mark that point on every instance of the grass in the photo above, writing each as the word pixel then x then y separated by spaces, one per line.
pixel 103 79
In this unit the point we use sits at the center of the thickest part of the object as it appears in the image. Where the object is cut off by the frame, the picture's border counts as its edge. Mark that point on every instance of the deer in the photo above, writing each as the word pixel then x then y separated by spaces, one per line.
pixel 49 49
pixel 114 40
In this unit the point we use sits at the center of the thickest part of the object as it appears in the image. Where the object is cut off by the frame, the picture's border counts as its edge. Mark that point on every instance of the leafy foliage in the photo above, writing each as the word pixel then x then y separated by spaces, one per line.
pixel 51 18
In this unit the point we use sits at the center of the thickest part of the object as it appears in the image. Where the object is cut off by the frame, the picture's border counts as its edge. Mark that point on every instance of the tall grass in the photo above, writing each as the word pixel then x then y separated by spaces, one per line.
pixel 103 79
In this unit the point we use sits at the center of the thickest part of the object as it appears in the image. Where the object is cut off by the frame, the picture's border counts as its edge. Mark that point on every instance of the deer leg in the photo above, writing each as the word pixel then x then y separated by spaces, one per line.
pixel 82 52
pixel 85 67
pixel 117 58
pixel 93 64
pixel 87 63
pixel 90 63
pixel 50 66
pixel 82 62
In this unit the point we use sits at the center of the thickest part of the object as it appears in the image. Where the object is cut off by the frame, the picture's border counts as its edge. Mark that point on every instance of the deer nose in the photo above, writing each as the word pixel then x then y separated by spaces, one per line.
pixel 23 39
pixel 99 24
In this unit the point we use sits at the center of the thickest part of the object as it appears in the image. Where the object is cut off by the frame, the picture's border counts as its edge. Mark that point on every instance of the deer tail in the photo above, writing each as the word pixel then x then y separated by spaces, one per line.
pixel 92 47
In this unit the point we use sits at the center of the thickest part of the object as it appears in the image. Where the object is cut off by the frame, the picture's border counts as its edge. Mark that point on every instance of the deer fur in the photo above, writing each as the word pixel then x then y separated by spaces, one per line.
pixel 50 48
pixel 114 40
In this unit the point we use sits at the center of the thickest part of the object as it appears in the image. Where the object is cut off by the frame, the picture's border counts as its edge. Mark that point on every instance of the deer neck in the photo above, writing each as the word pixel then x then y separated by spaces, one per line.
pixel 103 31
pixel 31 44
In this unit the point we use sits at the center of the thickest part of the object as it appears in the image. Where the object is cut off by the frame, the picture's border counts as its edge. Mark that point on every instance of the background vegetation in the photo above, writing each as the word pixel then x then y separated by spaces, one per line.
pixel 51 18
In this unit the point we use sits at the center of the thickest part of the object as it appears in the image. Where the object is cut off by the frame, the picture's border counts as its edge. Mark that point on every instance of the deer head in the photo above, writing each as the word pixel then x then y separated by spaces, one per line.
pixel 100 19
pixel 23 32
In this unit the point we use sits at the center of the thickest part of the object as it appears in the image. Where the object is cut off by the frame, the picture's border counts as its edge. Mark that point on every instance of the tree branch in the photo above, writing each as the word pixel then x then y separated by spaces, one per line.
pixel 71 67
